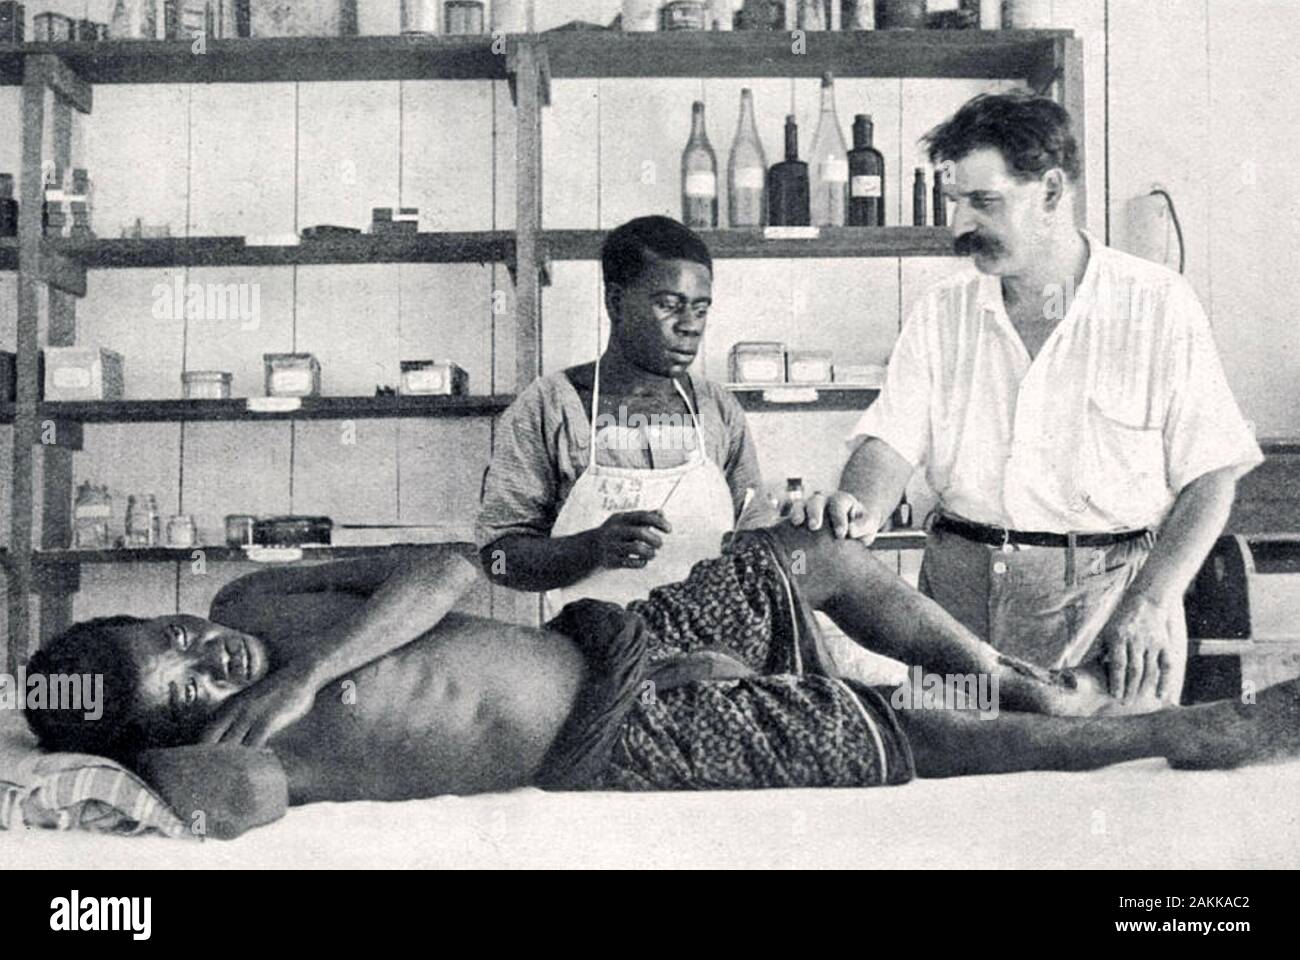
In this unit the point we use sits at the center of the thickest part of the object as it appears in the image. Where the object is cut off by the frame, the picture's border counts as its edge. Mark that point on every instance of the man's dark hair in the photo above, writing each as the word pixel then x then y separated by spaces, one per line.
pixel 94 647
pixel 629 248
pixel 1031 132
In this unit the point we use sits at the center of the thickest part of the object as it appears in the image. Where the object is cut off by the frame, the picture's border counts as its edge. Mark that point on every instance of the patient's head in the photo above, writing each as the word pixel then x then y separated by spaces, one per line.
pixel 163 681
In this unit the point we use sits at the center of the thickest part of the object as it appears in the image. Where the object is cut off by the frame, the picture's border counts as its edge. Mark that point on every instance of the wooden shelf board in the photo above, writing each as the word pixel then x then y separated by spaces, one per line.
pixel 272 59
pixel 830 396
pixel 214 554
pixel 961 54
pixel 833 243
pixel 313 408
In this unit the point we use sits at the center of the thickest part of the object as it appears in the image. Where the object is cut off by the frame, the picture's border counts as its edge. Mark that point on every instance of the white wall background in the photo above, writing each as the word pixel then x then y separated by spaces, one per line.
pixel 1193 94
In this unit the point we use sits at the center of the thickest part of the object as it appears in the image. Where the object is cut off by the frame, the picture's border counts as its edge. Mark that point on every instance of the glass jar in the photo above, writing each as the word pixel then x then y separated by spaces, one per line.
pixel 181 532
pixel 142 521
pixel 91 514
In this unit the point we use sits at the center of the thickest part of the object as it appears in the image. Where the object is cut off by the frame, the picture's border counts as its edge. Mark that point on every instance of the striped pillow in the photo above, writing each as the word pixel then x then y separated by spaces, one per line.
pixel 71 791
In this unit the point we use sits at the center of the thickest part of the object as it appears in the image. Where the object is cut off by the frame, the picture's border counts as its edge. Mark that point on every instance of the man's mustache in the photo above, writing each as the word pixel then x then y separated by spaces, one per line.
pixel 969 243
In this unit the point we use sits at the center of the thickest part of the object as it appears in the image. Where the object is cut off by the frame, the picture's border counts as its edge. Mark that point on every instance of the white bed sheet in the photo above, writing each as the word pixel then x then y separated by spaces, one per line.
pixel 1138 815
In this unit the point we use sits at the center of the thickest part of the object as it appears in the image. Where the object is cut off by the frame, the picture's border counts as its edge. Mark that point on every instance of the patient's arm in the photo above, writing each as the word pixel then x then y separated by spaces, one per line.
pixel 220 790
pixel 328 621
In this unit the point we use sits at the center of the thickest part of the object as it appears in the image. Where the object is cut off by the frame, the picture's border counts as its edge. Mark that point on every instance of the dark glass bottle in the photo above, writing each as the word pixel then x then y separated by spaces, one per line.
pixel 940 202
pixel 699 176
pixel 787 184
pixel 918 198
pixel 866 177
pixel 902 518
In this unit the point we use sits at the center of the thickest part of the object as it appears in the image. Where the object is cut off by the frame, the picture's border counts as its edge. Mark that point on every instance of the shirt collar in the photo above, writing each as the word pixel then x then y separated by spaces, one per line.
pixel 989 296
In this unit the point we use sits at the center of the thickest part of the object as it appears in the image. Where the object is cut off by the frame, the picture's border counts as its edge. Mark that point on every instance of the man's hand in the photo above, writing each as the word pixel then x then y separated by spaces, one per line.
pixel 629 540
pixel 848 518
pixel 256 714
pixel 1136 642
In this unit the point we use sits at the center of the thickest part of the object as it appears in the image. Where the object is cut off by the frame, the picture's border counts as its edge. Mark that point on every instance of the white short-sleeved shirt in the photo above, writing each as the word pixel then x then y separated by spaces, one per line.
pixel 1124 406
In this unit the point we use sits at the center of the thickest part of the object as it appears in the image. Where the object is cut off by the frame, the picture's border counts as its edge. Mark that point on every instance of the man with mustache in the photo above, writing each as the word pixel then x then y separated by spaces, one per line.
pixel 613 477
pixel 1067 404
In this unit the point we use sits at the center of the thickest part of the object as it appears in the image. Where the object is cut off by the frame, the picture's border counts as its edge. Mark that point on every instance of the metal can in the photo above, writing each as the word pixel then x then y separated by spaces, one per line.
pixel 420 16
pixel 206 384
pixel 683 15
pixel 181 532
pixel 463 18
pixel 239 530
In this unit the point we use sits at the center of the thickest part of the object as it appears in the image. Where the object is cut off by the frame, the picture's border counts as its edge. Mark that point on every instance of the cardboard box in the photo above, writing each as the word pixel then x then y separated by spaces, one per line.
pixel 83 373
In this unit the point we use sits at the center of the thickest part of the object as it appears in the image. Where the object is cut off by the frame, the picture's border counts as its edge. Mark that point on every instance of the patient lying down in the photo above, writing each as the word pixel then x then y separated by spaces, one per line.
pixel 351 681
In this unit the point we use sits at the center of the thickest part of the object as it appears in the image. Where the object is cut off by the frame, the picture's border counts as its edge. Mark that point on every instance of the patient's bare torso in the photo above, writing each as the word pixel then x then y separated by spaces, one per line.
pixel 470 707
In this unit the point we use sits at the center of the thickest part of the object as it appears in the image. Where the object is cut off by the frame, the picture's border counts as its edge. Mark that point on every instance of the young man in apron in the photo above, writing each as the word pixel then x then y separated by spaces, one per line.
pixel 617 476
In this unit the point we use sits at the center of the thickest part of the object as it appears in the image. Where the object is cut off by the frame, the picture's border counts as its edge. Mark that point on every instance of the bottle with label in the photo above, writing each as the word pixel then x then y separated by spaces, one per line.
pixel 699 176
pixel 940 201
pixel 787 184
pixel 918 198
pixel 793 494
pixel 747 170
pixel 829 164
pixel 866 178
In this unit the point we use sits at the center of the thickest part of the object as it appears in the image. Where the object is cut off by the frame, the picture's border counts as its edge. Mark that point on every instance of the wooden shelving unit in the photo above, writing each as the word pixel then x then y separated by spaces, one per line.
pixel 1046 60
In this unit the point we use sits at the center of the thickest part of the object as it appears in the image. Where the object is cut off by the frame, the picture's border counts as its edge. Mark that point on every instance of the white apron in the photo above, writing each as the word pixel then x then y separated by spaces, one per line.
pixel 694 498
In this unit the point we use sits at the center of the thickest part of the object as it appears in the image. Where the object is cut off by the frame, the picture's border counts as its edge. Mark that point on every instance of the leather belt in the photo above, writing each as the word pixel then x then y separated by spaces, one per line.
pixel 1001 537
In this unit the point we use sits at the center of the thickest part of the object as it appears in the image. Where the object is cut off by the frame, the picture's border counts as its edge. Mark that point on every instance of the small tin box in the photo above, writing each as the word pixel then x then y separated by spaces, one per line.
pixel 808 366
pixel 757 361
pixel 83 373
pixel 293 531
pixel 424 378
pixel 292 375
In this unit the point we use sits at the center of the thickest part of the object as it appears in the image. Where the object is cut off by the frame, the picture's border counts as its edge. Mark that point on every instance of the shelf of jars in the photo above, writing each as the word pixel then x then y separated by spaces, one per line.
pixel 779 243
pixel 803 397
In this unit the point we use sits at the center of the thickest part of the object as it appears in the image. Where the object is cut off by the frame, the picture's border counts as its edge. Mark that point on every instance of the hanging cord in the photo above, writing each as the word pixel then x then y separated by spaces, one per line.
pixel 1178 227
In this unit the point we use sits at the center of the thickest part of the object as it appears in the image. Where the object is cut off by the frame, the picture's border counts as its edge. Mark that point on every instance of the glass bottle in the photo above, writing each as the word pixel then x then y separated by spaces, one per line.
pixel 829 163
pixel 866 177
pixel 747 170
pixel 859 14
pixel 902 518
pixel 918 198
pixel 142 521
pixel 793 494
pixel 787 184
pixel 699 176
pixel 939 202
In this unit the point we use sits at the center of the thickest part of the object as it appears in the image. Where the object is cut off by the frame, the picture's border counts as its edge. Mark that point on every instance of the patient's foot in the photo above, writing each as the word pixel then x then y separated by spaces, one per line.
pixel 1234 734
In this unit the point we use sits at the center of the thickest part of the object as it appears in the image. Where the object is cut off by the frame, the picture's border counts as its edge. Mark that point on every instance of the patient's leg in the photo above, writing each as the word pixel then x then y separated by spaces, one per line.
pixel 875 607
pixel 949 743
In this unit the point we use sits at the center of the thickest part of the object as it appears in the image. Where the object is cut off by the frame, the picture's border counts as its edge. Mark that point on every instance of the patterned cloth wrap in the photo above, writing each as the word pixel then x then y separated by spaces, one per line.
pixel 718 683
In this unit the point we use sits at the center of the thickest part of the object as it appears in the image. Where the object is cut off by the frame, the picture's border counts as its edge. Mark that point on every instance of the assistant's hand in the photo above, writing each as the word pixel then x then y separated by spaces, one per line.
pixel 1136 642
pixel 847 517
pixel 257 713
pixel 629 540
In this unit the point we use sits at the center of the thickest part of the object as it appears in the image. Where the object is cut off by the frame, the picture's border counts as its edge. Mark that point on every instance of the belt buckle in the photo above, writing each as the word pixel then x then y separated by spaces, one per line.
pixel 1006 540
